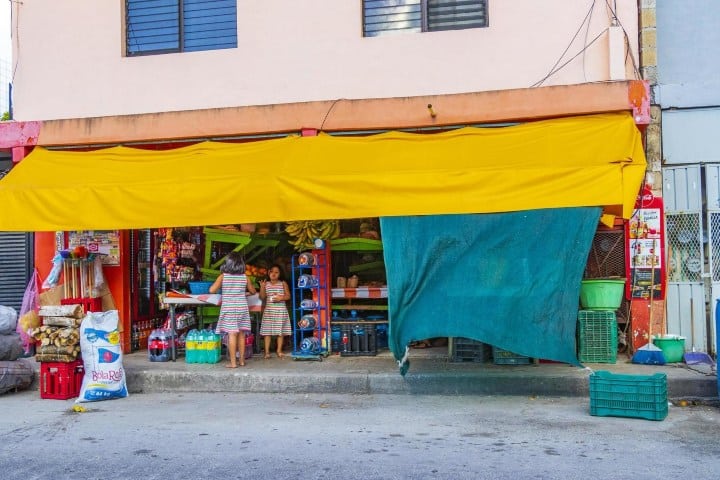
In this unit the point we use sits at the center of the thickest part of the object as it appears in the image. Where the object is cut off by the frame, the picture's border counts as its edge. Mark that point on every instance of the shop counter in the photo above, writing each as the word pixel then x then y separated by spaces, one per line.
pixel 212 299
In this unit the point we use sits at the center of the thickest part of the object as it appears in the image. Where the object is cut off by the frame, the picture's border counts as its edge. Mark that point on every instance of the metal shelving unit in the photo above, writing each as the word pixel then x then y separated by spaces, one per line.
pixel 310 337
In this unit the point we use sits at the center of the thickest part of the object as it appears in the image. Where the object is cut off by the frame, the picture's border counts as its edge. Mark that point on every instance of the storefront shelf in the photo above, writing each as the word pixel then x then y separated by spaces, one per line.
pixel 356 244
pixel 251 245
pixel 339 306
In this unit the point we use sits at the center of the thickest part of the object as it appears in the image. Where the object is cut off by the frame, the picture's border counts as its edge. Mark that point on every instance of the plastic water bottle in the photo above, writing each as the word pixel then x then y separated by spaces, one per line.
pixel 216 348
pixel 206 346
pixel 209 346
pixel 199 347
pixel 191 346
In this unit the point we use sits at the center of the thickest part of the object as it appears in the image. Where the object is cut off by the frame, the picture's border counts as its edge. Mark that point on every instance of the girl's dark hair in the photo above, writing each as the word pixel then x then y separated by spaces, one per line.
pixel 234 264
pixel 282 272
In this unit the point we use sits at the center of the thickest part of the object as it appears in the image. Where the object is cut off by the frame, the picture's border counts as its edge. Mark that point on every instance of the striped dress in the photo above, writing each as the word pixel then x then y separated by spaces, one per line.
pixel 234 313
pixel 275 319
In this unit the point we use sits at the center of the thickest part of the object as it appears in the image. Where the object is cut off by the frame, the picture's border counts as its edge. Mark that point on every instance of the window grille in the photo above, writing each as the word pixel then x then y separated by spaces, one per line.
pixel 168 26
pixel 383 17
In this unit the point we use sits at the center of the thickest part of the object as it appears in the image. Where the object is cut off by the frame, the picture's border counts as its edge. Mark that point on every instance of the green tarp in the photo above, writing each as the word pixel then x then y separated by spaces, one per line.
pixel 511 280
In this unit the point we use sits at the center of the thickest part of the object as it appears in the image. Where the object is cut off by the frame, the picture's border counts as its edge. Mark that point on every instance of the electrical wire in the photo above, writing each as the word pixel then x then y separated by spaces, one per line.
pixel 329 110
pixel 553 68
pixel 587 33
pixel 551 73
pixel 17 35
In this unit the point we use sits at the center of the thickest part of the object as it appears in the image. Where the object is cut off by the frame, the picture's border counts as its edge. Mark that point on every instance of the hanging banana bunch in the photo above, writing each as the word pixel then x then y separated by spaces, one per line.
pixel 304 232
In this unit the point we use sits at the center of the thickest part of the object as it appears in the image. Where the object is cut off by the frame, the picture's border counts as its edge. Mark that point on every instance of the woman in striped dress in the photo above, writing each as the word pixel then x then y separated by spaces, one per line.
pixel 234 313
pixel 275 320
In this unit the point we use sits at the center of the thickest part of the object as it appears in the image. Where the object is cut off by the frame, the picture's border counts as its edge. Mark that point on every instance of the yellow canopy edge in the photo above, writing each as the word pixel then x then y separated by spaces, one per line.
pixel 595 160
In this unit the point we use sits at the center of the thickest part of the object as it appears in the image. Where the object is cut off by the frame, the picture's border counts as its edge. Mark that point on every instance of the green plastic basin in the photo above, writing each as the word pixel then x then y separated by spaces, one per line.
pixel 602 293
pixel 673 347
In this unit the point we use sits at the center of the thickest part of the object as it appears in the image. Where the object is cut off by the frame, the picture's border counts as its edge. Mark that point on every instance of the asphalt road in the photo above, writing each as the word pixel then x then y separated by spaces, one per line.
pixel 257 436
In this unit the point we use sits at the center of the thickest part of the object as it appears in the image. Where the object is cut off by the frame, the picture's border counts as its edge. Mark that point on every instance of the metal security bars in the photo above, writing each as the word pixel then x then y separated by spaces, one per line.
pixel 167 26
pixel 382 17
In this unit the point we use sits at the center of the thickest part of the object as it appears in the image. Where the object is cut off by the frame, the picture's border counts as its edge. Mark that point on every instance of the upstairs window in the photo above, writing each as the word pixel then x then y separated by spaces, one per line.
pixel 393 16
pixel 168 26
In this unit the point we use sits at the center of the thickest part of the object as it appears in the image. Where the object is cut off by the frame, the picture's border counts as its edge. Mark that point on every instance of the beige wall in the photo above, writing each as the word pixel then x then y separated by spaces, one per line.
pixel 70 62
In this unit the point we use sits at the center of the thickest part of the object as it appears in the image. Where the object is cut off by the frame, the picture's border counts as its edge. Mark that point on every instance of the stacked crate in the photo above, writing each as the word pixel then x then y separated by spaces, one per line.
pixel 597 336
pixel 468 350
pixel 504 357
pixel 361 340
pixel 58 351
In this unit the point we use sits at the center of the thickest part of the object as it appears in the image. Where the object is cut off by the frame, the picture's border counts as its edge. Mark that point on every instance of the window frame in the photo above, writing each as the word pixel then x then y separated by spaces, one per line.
pixel 181 34
pixel 424 26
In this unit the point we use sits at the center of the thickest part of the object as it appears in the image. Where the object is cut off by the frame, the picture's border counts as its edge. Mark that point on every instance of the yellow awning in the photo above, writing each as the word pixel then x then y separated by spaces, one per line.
pixel 594 160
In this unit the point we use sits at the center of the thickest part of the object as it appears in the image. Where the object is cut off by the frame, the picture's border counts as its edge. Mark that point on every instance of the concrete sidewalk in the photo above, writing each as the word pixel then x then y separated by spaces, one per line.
pixel 431 373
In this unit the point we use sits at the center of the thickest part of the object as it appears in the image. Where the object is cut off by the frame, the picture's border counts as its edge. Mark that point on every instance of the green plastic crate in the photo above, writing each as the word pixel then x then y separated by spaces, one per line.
pixel 597 336
pixel 634 396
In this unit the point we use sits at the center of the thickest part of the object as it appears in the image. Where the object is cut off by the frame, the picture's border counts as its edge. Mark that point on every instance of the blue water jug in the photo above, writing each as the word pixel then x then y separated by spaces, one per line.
pixel 310 345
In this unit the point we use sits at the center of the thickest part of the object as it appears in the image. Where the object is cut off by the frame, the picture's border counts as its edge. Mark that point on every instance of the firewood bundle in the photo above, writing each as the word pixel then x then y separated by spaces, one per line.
pixel 58 339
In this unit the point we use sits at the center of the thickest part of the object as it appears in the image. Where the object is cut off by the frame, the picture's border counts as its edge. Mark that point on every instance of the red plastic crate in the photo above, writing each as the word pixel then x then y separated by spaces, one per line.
pixel 89 304
pixel 60 381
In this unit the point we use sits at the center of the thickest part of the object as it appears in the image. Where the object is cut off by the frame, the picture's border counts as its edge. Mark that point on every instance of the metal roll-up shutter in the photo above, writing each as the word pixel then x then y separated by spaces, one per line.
pixel 16 256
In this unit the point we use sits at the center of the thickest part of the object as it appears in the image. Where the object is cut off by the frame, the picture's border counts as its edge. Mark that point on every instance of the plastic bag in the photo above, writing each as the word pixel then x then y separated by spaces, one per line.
pixel 54 277
pixel 30 307
pixel 98 277
pixel 8 320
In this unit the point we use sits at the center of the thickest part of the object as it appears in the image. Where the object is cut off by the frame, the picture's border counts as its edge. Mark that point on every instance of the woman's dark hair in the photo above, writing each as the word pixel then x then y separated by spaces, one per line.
pixel 234 264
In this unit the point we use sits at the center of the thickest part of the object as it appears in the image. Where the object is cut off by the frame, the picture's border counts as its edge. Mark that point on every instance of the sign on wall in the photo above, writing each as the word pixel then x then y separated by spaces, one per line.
pixel 644 234
pixel 103 242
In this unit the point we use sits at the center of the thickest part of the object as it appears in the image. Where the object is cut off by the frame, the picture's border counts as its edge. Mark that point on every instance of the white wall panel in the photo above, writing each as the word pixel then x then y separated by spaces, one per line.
pixel 70 61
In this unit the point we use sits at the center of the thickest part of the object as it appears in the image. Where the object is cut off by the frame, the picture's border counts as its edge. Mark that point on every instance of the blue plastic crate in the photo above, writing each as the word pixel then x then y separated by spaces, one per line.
pixel 634 396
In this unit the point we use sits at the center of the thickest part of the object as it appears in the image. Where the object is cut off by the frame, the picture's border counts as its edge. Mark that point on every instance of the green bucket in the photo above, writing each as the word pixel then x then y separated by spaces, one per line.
pixel 672 346
pixel 602 293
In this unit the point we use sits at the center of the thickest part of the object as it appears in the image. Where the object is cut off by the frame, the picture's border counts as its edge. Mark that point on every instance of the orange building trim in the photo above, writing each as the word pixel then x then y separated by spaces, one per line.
pixel 347 115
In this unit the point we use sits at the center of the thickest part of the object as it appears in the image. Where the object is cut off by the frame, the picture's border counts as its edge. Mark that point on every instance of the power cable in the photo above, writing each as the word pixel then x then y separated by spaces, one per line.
pixel 328 112
pixel 552 69
pixel 540 82
pixel 17 35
